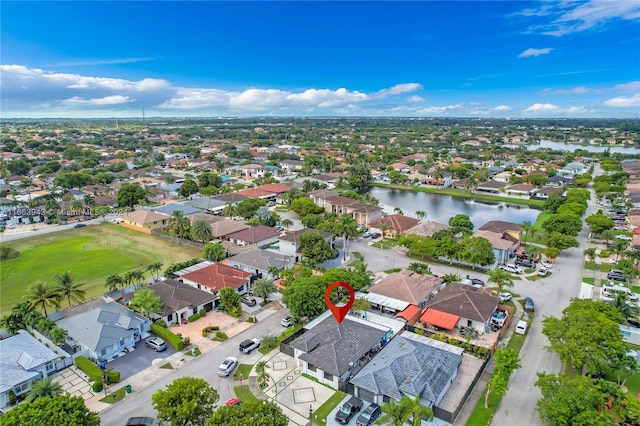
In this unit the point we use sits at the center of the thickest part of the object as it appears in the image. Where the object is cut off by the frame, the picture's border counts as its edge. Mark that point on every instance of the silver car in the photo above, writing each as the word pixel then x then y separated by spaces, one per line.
pixel 227 366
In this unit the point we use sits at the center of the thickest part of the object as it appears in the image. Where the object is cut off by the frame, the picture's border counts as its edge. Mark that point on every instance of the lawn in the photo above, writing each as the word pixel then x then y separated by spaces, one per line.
pixel 115 396
pixel 243 393
pixel 320 415
pixel 243 369
pixel 90 254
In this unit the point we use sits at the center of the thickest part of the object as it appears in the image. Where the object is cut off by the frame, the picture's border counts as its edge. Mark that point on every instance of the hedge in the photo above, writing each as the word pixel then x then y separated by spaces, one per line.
pixel 202 313
pixel 113 376
pixel 194 317
pixel 97 386
pixel 209 329
pixel 89 368
pixel 165 334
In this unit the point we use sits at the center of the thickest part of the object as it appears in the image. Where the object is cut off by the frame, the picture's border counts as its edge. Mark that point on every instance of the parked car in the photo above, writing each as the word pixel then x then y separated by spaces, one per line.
pixel 376 235
pixel 546 264
pixel 624 237
pixel 528 304
pixel 512 268
pixel 543 272
pixel 155 343
pixel 233 401
pixel 348 410
pixel 597 375
pixel 227 366
pixel 246 346
pixel 527 263
pixel 79 225
pixel 521 327
pixel 613 261
pixel 286 321
pixel 505 297
pixel 477 282
pixel 369 415
pixel 248 300
pixel 366 234
pixel 142 421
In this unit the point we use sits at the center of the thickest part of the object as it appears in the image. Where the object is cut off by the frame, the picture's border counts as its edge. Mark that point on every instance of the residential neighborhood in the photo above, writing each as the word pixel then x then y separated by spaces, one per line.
pixel 136 256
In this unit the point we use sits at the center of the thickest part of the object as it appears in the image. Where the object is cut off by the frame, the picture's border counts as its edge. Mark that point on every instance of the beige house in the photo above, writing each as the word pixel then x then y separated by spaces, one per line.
pixel 144 221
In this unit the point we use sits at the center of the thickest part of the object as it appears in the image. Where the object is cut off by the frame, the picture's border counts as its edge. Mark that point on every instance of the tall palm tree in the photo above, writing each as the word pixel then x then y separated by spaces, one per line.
pixel 527 226
pixel 262 287
pixel 347 227
pixel 67 288
pixel 42 296
pixel 201 231
pixel 229 210
pixel 133 277
pixel 113 282
pixel 287 223
pixel 58 335
pixel 393 413
pixel 416 410
pixel 398 210
pixel 501 278
pixel 179 224
pixel 274 271
pixel 44 388
pixel 590 253
pixel 154 268
pixel 421 214
pixel 383 229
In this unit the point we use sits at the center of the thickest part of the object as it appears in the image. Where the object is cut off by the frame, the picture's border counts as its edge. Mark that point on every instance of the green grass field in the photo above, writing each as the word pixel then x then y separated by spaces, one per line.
pixel 91 254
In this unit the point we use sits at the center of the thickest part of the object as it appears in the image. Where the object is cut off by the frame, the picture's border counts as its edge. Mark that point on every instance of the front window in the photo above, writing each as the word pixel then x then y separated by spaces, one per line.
pixel 50 366
pixel 328 376
pixel 21 388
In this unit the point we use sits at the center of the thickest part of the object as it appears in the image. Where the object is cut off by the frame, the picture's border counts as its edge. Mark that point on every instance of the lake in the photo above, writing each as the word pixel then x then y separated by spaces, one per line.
pixel 440 208
pixel 561 146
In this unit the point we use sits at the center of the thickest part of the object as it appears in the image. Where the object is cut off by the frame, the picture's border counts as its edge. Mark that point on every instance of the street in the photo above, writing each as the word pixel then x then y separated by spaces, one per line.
pixel 205 366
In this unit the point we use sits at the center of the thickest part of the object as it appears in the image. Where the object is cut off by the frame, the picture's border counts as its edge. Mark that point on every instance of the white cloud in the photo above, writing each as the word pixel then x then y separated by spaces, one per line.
pixel 399 89
pixel 631 87
pixel 535 52
pixel 558 18
pixel 414 99
pixel 501 108
pixel 107 100
pixel 541 108
pixel 624 101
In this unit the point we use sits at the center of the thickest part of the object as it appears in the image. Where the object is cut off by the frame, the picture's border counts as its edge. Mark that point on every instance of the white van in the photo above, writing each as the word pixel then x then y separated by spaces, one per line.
pixel 521 327
pixel 609 290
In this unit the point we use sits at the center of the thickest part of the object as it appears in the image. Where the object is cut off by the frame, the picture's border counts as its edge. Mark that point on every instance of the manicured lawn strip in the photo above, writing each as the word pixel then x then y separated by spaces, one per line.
pixel 542 217
pixel 265 350
pixel 482 416
pixel 605 267
pixel 167 366
pixel 589 280
pixel 91 254
pixel 109 399
pixel 320 415
pixel 590 266
pixel 243 393
pixel 461 193
pixel 243 369
pixel 193 352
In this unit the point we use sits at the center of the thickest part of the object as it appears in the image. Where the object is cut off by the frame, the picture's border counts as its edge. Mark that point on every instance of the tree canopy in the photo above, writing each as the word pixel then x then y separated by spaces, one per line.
pixel 131 194
pixel 62 410
pixel 187 401
pixel 258 413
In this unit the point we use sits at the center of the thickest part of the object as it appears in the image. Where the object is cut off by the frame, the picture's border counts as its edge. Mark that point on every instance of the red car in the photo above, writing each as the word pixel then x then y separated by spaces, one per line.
pixel 234 401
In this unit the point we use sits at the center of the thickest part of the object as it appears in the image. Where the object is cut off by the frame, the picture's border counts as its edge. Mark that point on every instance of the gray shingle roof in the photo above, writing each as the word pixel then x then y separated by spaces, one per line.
pixel 331 347
pixel 261 259
pixel 19 356
pixel 407 366
pixel 102 327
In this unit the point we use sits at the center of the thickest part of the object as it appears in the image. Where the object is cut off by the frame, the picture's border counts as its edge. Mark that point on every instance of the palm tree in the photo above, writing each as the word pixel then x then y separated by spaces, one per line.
pixel 501 278
pixel 76 206
pixel 421 214
pixel 287 223
pixel 44 388
pixel 262 375
pixel 383 229
pixel 347 227
pixel 201 231
pixel 528 227
pixel 607 235
pixel 45 325
pixel 416 410
pixel 229 210
pixel 621 303
pixel 274 271
pixel 179 224
pixel 42 296
pixel 58 335
pixel 269 341
pixel 398 210
pixel 262 287
pixel 133 277
pixel 619 247
pixel 113 282
pixel 67 288
pixel 26 184
pixel 590 253
pixel 154 268
pixel 393 413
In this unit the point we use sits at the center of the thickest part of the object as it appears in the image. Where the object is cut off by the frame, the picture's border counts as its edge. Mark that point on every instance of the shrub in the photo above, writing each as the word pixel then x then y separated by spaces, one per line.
pixel 161 322
pixel 251 319
pixel 194 317
pixel 186 341
pixel 172 339
pixel 235 314
pixel 97 386
pixel 113 376
pixel 209 329
pixel 202 313
pixel 89 368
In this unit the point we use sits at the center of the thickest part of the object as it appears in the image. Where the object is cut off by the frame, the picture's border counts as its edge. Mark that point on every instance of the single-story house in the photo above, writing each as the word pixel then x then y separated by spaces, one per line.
pixel 104 331
pixel 329 351
pixel 427 229
pixel 290 242
pixel 258 262
pixel 179 300
pixel 23 360
pixel 260 236
pixel 185 209
pixel 409 365
pixel 523 189
pixel 396 224
pixel 221 229
pixel 144 221
pixel 215 276
pixel 491 187
pixel 460 305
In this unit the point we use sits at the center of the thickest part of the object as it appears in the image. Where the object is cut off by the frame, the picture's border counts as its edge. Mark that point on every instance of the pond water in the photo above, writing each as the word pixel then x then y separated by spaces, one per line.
pixel 561 146
pixel 440 208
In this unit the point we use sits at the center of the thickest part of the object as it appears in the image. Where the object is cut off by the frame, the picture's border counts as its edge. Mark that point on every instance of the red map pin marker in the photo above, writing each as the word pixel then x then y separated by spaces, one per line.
pixel 339 312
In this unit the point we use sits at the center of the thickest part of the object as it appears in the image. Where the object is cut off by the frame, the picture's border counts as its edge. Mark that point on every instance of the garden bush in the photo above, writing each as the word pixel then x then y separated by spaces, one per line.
pixel 89 368
pixel 202 313
pixel 160 322
pixel 168 336
pixel 209 329
pixel 97 386
pixel 113 376
pixel 194 317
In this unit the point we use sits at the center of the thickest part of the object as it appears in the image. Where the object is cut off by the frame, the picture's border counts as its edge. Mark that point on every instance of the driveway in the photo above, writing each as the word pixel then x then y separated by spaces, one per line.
pixel 140 359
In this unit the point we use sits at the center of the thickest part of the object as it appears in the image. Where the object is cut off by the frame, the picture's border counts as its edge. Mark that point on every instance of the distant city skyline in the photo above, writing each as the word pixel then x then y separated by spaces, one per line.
pixel 494 59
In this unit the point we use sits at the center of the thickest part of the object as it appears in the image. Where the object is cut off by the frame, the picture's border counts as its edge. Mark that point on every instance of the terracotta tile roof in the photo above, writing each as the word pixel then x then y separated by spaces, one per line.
pixel 407 286
pixel 255 192
pixel 396 222
pixel 341 201
pixel 466 301
pixel 145 216
pixel 274 187
pixel 408 312
pixel 217 276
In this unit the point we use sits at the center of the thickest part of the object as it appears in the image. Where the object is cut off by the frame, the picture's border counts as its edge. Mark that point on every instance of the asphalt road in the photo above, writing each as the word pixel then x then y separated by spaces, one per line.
pixel 138 403
pixel 26 231
pixel 551 295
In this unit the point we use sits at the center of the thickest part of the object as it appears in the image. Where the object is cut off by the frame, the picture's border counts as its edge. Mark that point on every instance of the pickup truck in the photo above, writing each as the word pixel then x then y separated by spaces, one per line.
pixel 498 318
pixel 348 410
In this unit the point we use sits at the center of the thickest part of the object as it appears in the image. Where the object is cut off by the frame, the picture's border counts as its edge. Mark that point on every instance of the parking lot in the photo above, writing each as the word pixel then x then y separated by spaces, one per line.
pixel 141 358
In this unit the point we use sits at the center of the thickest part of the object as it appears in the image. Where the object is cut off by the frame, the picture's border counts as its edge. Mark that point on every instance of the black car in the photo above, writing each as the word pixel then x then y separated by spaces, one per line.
pixel 79 225
pixel 376 235
pixel 477 282
pixel 348 410
pixel 142 421
pixel 528 304
pixel 597 375
pixel 527 263
pixel 369 415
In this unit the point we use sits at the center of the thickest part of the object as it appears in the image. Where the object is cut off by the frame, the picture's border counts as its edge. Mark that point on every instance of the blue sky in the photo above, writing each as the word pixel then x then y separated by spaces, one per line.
pixel 407 59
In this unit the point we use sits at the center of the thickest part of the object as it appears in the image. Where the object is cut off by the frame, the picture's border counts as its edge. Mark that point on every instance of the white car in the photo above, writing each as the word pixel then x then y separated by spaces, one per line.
pixel 505 297
pixel 227 366
pixel 613 261
pixel 512 268
pixel 546 264
pixel 624 237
